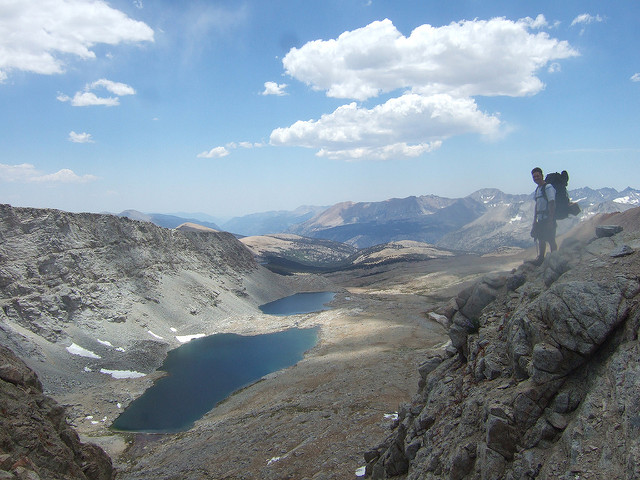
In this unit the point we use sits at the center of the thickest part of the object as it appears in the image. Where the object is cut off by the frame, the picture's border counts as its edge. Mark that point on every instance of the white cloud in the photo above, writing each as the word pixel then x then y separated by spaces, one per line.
pixel 405 126
pixel 554 67
pixel 586 19
pixel 87 98
pixel 219 152
pixel 117 88
pixel 492 57
pixel 27 173
pixel 80 137
pixel 635 77
pixel 64 176
pixel 216 152
pixel 233 145
pixel 437 70
pixel 40 36
pixel 398 150
pixel 273 88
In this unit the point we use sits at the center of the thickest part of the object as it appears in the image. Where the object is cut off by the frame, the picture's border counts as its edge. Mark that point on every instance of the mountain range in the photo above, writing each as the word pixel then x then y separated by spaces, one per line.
pixel 481 222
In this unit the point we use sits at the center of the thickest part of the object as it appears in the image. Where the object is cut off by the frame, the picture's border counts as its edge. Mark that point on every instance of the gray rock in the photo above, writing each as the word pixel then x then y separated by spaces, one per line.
pixel 622 251
pixel 429 365
pixel 480 297
pixel 607 230
pixel 38 441
pixel 566 401
pixel 547 358
pixel 501 437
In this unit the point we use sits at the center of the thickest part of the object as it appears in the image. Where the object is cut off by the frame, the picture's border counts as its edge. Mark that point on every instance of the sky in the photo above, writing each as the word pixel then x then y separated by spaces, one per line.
pixel 232 108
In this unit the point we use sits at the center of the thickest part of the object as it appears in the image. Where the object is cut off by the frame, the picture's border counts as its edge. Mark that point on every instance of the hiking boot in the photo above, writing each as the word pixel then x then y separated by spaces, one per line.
pixel 537 262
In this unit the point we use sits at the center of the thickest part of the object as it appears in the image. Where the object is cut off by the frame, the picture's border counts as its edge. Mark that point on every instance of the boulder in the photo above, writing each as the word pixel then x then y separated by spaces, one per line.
pixel 607 230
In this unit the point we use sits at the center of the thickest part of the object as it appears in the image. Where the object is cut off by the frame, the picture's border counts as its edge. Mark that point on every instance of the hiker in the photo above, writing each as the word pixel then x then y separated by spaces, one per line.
pixel 544 218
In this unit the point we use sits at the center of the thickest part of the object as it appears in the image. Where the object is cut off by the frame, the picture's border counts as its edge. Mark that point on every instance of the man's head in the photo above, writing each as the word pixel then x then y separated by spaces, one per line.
pixel 537 175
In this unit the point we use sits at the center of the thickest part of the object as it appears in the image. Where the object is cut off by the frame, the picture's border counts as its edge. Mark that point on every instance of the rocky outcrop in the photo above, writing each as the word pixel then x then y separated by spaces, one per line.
pixel 36 442
pixel 540 380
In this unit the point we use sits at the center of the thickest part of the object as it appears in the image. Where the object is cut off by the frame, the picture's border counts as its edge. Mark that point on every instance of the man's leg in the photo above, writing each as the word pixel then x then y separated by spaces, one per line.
pixel 542 248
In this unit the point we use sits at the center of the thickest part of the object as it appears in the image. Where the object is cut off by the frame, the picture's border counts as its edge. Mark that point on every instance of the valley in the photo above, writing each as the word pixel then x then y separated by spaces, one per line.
pixel 314 420
pixel 93 303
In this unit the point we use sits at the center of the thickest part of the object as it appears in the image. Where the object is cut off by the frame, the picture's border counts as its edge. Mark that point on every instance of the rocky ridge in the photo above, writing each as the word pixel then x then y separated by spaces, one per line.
pixel 541 377
pixel 36 442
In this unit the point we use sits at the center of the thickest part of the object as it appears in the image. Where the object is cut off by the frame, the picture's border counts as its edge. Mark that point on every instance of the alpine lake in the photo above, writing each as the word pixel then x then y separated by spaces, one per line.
pixel 207 370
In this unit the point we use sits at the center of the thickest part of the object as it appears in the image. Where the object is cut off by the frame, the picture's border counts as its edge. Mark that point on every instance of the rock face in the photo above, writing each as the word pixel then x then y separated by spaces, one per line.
pixel 35 440
pixel 541 379
pixel 63 272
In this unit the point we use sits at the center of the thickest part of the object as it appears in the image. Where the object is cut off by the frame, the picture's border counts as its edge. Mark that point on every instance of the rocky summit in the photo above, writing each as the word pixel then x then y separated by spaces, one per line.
pixel 541 377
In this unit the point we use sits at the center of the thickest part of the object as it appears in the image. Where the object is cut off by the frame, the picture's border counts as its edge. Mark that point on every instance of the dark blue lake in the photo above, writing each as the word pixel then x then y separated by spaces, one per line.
pixel 207 370
pixel 299 303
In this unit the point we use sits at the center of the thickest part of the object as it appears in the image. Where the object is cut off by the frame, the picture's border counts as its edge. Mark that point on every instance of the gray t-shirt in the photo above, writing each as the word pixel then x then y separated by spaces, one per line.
pixel 542 202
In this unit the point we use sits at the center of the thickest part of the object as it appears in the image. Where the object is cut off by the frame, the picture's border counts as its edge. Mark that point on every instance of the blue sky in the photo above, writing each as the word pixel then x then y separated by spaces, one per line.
pixel 230 108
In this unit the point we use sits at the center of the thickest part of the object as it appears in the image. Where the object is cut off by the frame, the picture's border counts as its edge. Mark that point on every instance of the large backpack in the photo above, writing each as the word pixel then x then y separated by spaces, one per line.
pixel 564 206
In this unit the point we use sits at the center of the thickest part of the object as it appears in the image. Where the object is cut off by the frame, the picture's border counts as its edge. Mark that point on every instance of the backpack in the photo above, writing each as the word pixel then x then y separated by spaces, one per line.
pixel 564 206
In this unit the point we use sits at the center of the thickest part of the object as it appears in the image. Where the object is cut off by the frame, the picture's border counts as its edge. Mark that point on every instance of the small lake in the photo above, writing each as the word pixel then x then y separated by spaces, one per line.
pixel 207 370
pixel 299 303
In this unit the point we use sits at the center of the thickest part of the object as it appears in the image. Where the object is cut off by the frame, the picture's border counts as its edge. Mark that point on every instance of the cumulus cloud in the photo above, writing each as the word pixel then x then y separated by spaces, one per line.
pixel 88 98
pixel 635 77
pixel 437 72
pixel 216 152
pixel 273 88
pixel 479 57
pixel 117 88
pixel 405 126
pixel 80 137
pixel 40 36
pixel 554 67
pixel 27 173
pixel 586 19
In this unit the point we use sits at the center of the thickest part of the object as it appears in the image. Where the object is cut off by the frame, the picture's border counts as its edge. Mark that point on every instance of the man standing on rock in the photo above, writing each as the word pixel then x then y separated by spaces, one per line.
pixel 544 219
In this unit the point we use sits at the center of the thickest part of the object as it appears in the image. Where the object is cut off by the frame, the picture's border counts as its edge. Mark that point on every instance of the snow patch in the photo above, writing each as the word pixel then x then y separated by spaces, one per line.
pixel 517 218
pixel 273 460
pixel 361 472
pixel 122 373
pixel 627 200
pixel 154 335
pixel 174 330
pixel 106 343
pixel 188 338
pixel 74 349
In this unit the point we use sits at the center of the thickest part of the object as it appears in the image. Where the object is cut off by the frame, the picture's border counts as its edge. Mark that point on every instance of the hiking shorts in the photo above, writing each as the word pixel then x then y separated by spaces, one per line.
pixel 544 230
